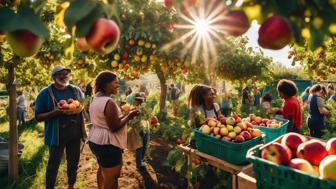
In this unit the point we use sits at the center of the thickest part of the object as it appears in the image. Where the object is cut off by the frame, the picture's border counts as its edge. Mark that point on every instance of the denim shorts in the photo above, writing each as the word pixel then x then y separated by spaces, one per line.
pixel 108 156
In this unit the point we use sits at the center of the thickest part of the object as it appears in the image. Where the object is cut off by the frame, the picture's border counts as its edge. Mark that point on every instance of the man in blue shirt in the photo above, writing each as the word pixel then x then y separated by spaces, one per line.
pixel 61 131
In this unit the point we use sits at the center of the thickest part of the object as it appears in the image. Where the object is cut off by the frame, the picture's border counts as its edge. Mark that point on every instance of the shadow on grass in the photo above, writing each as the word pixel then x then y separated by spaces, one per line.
pixel 31 125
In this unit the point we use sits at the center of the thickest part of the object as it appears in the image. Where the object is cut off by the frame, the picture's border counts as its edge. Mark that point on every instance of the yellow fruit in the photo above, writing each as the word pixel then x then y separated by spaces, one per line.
pixel 121 66
pixel 148 45
pixel 137 58
pixel 139 52
pixel 317 22
pixel 114 64
pixel 144 58
pixel 153 46
pixel 141 42
pixel 116 57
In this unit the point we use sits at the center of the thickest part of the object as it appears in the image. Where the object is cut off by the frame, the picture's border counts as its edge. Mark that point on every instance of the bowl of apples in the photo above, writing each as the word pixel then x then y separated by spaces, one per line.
pixel 70 106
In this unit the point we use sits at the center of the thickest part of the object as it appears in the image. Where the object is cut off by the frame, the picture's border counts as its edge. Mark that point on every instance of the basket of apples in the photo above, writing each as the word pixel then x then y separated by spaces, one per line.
pixel 70 106
pixel 227 138
pixel 272 128
pixel 295 161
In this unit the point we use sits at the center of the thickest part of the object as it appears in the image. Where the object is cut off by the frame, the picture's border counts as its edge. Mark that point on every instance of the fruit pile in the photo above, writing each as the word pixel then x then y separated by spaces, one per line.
pixel 230 129
pixel 254 120
pixel 69 104
pixel 311 156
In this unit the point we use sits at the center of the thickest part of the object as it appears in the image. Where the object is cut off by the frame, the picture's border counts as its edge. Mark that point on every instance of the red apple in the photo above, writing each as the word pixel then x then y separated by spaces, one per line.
pixel 301 164
pixel 70 100
pixel 61 102
pixel 103 36
pixel 124 55
pixel 235 23
pixel 293 140
pixel 331 146
pixel 236 118
pixel 254 123
pixel 247 135
pixel 82 44
pixel 328 167
pixel 179 141
pixel 276 153
pixel 218 136
pixel 239 139
pixel 169 3
pixel 264 121
pixel 65 106
pixel 24 43
pixel 275 33
pixel 223 120
pixel 313 151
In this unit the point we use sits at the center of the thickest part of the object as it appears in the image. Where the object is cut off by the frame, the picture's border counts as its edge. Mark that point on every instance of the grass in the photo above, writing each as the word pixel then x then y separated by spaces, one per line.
pixel 33 161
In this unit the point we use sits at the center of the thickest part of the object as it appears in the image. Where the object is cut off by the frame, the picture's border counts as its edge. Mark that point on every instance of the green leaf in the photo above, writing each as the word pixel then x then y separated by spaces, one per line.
pixel 7 16
pixel 77 10
pixel 24 19
pixel 84 25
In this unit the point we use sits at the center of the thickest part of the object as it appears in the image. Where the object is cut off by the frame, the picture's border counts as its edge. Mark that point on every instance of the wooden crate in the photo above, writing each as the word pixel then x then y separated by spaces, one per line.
pixel 246 180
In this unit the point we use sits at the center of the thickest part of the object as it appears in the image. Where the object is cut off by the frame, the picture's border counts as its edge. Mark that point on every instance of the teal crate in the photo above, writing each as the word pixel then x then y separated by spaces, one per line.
pixel 273 176
pixel 231 152
pixel 273 133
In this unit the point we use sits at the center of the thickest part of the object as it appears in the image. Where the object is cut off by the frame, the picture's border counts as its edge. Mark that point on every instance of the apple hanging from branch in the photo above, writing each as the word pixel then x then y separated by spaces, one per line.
pixel 24 42
pixel 103 36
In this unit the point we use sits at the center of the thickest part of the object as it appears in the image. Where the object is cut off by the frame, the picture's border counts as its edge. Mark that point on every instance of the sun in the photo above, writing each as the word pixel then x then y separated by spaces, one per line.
pixel 201 31
pixel 202 27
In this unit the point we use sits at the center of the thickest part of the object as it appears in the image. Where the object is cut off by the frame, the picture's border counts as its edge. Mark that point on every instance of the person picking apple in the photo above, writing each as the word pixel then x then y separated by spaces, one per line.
pixel 61 131
pixel 291 108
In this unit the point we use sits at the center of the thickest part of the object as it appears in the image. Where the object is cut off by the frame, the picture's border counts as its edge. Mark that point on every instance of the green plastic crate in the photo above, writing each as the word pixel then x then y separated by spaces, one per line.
pixel 273 176
pixel 273 133
pixel 231 152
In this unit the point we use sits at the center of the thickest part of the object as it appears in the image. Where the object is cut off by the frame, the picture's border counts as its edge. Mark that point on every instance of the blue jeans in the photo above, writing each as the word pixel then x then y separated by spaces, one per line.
pixel 140 152
pixel 20 115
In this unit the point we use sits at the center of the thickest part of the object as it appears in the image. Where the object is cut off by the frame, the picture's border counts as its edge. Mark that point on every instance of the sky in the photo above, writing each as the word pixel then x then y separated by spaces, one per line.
pixel 277 55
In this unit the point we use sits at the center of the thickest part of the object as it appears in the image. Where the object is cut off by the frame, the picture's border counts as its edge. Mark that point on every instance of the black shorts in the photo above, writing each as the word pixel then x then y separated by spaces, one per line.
pixel 107 155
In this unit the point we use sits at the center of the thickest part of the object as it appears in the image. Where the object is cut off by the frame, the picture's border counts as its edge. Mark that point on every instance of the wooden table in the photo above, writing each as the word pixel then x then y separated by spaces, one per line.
pixel 221 164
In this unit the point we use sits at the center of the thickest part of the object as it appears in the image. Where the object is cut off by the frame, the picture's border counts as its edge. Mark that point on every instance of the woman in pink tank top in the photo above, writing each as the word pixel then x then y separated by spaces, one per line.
pixel 108 135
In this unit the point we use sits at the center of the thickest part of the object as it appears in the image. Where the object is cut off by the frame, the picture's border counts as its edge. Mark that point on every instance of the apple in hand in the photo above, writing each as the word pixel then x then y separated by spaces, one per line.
pixel 24 42
pixel 275 33
pixel 276 153
pixel 331 146
pixel 293 140
pixel 301 164
pixel 313 151
pixel 328 168
pixel 103 36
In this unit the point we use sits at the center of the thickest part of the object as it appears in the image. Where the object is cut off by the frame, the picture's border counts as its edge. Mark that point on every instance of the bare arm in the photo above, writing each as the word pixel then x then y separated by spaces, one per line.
pixel 324 110
pixel 114 122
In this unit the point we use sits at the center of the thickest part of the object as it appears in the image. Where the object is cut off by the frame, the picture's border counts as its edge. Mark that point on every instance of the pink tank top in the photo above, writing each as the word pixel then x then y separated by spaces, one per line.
pixel 100 133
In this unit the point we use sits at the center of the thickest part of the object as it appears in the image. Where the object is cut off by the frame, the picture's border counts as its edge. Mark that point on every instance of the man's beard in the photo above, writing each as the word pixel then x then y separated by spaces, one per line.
pixel 63 82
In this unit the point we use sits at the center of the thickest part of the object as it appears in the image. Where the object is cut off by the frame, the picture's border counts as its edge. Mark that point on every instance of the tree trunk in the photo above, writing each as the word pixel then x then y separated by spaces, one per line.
pixel 13 164
pixel 163 86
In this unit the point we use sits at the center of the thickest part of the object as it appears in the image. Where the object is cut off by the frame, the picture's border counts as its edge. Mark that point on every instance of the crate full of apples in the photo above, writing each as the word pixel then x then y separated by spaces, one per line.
pixel 273 128
pixel 227 138
pixel 297 161
pixel 70 106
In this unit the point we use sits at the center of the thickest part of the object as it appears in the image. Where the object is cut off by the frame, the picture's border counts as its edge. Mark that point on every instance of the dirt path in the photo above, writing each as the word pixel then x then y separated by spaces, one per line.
pixel 156 176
